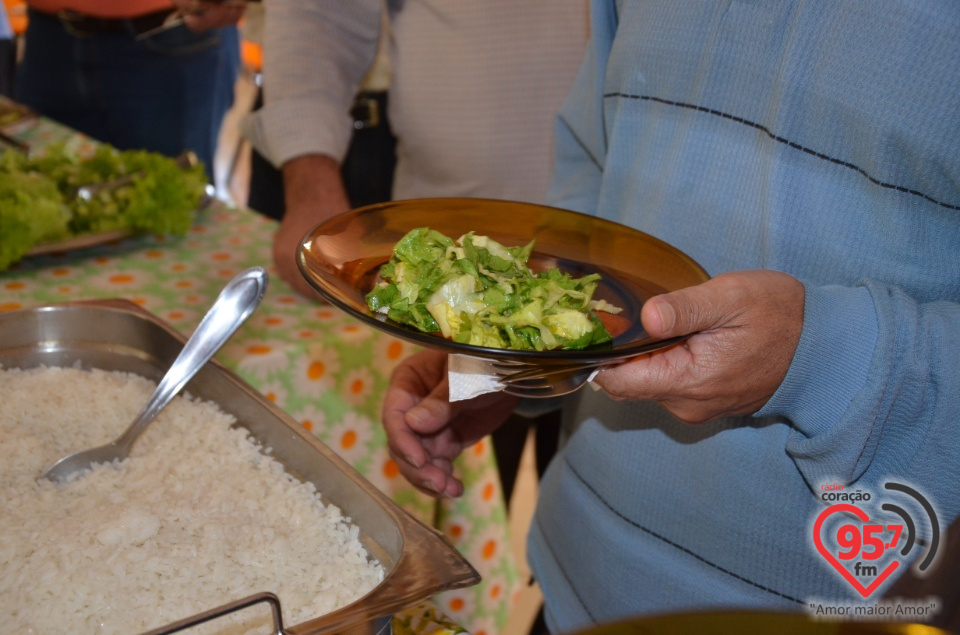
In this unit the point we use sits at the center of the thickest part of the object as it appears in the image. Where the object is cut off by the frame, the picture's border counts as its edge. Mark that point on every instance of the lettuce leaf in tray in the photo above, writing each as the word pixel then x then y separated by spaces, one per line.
pixel 476 291
pixel 38 204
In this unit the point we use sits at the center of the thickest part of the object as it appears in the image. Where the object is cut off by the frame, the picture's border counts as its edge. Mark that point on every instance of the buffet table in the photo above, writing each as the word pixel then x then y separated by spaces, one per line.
pixel 322 367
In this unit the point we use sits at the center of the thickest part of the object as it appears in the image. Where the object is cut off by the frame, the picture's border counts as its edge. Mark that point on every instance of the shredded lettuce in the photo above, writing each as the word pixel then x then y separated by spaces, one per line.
pixel 476 291
pixel 38 203
pixel 31 212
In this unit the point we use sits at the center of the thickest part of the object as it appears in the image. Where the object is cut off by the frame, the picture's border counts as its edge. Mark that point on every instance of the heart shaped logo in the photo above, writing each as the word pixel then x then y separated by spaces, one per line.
pixel 852 538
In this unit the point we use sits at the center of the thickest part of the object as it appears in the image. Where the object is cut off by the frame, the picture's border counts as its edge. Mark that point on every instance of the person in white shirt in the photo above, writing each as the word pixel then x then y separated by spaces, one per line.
pixel 474 89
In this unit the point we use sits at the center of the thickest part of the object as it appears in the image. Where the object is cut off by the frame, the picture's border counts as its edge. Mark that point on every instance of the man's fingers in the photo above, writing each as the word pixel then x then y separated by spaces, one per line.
pixel 443 464
pixel 647 376
pixel 406 446
pixel 430 415
pixel 691 310
pixel 434 478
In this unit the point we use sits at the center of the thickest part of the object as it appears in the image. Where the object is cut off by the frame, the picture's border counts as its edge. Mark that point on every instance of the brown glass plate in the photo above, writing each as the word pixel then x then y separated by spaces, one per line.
pixel 341 259
pixel 755 622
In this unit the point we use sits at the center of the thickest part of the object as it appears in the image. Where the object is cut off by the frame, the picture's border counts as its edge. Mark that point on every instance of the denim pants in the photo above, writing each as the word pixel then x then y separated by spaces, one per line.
pixel 166 93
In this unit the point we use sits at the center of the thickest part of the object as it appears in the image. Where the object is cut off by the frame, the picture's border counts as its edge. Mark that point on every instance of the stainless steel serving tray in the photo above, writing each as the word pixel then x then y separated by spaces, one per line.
pixel 119 335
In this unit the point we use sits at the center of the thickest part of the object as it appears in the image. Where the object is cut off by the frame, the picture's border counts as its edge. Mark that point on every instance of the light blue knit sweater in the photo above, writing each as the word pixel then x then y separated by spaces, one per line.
pixel 820 139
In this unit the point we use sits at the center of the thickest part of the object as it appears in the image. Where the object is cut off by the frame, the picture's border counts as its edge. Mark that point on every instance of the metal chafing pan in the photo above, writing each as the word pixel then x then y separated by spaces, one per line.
pixel 118 335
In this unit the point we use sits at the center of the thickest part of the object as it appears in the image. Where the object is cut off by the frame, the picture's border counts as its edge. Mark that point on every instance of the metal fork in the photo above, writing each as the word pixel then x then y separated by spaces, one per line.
pixel 528 380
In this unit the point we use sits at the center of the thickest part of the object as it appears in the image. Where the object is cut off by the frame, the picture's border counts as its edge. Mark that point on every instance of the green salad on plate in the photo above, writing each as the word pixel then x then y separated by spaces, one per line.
pixel 476 291
pixel 38 202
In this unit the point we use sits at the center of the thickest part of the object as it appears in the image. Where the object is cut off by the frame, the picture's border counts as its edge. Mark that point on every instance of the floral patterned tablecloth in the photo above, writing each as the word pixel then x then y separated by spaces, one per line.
pixel 325 369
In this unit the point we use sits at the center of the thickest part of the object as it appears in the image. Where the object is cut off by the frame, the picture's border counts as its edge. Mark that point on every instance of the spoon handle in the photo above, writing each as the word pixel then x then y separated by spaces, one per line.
pixel 232 307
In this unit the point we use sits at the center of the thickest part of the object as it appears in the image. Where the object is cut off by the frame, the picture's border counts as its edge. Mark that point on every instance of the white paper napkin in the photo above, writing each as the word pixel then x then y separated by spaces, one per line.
pixel 470 377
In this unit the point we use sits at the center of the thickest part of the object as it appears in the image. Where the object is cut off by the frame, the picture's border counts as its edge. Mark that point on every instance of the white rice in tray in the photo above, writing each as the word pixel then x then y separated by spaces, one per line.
pixel 196 518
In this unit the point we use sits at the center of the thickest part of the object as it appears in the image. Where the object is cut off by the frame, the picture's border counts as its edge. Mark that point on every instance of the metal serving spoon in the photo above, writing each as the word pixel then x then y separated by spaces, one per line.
pixel 231 309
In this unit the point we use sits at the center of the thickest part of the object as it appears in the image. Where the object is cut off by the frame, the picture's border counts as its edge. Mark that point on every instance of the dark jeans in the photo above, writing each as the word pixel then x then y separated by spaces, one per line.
pixel 510 438
pixel 8 58
pixel 167 93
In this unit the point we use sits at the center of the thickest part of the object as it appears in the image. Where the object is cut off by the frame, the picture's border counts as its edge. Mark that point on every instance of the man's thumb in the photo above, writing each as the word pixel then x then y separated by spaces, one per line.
pixel 677 313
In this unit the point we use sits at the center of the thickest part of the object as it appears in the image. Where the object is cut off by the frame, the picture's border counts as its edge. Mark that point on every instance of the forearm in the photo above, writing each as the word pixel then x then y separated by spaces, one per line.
pixel 882 401
pixel 313 185
pixel 313 192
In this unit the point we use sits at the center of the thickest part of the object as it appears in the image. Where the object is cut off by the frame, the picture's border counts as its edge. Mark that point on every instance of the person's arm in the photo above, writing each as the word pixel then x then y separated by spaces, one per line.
pixel 866 375
pixel 874 384
pixel 203 15
pixel 580 141
pixel 313 191
pixel 316 53
pixel 425 431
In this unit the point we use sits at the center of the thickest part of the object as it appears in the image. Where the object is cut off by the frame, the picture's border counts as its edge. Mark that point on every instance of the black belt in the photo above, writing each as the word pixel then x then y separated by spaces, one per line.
pixel 368 109
pixel 87 25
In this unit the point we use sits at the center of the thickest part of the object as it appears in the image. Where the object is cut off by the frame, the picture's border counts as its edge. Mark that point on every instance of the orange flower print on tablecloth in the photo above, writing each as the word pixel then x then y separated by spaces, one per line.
pixel 260 359
pixel 389 352
pixel 287 299
pixel 390 469
pixel 275 392
pixel 181 318
pixel 238 241
pixel 483 626
pixel 456 529
pixel 457 604
pixel 477 454
pixel 318 370
pixel 354 332
pixel 486 548
pixel 485 494
pixel 219 257
pixel 357 386
pixel 272 321
pixel 120 283
pixel 383 473
pixel 312 419
pixel 350 437
pixel 495 592
pixel 326 314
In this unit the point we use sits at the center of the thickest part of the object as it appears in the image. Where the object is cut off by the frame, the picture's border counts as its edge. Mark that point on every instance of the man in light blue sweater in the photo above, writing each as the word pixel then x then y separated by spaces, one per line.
pixel 808 156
